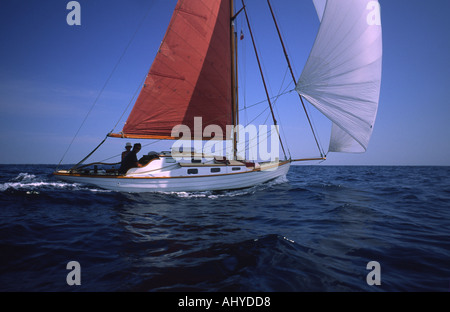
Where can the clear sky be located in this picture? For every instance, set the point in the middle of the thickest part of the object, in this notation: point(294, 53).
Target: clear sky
point(51, 74)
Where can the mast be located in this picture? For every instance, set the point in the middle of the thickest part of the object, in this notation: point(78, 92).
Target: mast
point(234, 99)
point(293, 76)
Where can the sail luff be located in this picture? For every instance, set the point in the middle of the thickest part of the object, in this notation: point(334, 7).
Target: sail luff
point(342, 76)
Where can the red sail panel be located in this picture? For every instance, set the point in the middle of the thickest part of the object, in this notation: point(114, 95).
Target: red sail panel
point(191, 74)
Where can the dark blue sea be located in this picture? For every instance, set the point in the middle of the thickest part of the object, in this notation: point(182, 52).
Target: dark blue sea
point(316, 230)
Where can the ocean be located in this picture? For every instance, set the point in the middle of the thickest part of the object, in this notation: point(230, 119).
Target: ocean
point(320, 229)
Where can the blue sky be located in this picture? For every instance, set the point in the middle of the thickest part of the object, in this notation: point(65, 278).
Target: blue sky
point(51, 74)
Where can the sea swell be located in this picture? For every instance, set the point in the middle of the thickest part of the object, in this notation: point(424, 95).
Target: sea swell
point(315, 231)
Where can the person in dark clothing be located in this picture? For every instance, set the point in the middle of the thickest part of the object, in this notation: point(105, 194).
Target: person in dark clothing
point(128, 147)
point(130, 161)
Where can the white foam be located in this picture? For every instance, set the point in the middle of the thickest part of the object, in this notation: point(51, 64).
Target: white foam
point(32, 184)
point(231, 193)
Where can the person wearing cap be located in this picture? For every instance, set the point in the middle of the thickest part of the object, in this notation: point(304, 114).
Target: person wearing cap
point(128, 147)
point(130, 161)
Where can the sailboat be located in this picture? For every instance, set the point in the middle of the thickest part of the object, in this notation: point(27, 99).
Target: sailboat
point(194, 78)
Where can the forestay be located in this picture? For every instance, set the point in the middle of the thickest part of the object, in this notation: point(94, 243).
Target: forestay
point(342, 76)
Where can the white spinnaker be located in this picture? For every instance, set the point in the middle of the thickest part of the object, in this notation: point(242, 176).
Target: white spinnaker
point(342, 76)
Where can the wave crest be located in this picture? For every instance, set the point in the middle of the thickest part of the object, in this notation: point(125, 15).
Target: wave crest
point(32, 184)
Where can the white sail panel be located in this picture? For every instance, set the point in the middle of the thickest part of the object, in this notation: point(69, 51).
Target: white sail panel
point(342, 76)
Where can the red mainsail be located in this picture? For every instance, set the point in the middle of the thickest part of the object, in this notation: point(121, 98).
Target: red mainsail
point(190, 76)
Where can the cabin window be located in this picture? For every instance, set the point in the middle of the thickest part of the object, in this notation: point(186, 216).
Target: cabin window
point(213, 170)
point(196, 161)
point(236, 168)
point(192, 171)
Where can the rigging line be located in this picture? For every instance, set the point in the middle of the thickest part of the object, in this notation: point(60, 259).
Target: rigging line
point(151, 143)
point(258, 141)
point(278, 114)
point(259, 115)
point(314, 125)
point(293, 76)
point(262, 75)
point(273, 97)
point(279, 93)
point(281, 35)
point(268, 115)
point(276, 110)
point(104, 86)
point(129, 103)
point(89, 155)
point(240, 110)
point(218, 117)
point(278, 96)
point(243, 73)
point(247, 143)
point(276, 101)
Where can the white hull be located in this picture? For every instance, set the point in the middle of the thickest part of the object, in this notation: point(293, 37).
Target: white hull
point(159, 183)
